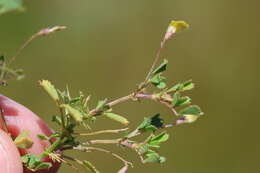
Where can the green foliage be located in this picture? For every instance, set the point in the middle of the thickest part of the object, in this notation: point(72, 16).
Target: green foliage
point(191, 113)
point(117, 118)
point(178, 100)
point(161, 68)
point(155, 141)
point(185, 86)
point(75, 112)
point(34, 163)
point(151, 124)
point(10, 5)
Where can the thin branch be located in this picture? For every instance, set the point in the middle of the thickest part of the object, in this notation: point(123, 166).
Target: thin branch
point(101, 132)
point(81, 148)
point(102, 141)
point(43, 32)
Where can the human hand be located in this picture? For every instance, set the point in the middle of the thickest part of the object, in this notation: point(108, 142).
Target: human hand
point(17, 119)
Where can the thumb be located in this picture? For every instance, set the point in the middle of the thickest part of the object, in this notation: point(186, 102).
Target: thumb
point(9, 156)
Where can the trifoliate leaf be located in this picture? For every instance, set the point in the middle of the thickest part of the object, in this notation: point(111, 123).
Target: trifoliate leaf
point(50, 89)
point(117, 118)
point(9, 5)
point(161, 68)
point(23, 141)
point(158, 81)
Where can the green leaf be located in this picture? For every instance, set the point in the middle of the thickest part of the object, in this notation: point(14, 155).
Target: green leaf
point(50, 89)
point(185, 86)
point(193, 110)
point(155, 141)
point(188, 85)
point(23, 141)
point(180, 101)
point(175, 87)
point(90, 166)
point(151, 123)
point(191, 113)
point(161, 68)
point(9, 5)
point(158, 81)
point(77, 115)
point(56, 119)
point(175, 98)
point(153, 157)
point(43, 165)
point(117, 118)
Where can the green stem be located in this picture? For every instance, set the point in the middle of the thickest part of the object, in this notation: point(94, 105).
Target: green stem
point(51, 148)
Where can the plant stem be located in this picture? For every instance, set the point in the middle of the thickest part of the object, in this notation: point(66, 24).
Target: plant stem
point(102, 132)
point(51, 148)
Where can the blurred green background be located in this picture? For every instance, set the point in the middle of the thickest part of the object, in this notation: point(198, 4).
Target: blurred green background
point(107, 50)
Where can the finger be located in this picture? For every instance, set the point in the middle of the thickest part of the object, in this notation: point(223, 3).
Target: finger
point(10, 161)
point(18, 118)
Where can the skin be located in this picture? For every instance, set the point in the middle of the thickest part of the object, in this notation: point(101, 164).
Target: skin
point(18, 118)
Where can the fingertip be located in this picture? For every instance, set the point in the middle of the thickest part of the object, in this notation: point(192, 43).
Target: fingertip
point(10, 161)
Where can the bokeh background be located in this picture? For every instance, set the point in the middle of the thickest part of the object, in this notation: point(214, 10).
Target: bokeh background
point(107, 50)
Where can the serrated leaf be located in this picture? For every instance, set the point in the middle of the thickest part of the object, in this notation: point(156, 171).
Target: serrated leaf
point(117, 118)
point(9, 5)
point(23, 141)
point(161, 68)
